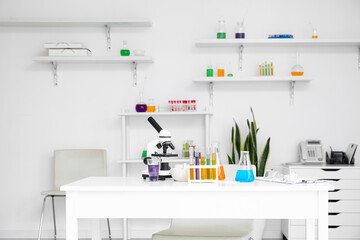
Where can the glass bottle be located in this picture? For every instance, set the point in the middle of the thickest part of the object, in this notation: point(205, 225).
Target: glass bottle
point(151, 105)
point(141, 106)
point(209, 71)
point(244, 172)
point(240, 33)
point(125, 51)
point(221, 34)
point(220, 71)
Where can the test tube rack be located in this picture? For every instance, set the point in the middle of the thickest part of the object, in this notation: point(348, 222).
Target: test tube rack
point(201, 167)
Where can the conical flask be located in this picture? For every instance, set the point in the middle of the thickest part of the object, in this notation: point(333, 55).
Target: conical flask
point(244, 172)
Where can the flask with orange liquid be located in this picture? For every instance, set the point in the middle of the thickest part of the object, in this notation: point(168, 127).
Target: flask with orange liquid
point(221, 172)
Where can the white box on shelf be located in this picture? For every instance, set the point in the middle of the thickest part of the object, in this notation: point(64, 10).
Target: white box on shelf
point(69, 52)
point(63, 45)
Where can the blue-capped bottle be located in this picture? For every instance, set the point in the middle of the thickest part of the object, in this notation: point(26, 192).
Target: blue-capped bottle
point(244, 172)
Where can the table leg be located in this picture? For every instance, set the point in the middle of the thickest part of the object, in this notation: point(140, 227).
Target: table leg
point(125, 228)
point(323, 228)
point(71, 219)
point(310, 229)
point(95, 229)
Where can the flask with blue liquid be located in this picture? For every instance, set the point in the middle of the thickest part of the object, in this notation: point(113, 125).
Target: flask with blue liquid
point(244, 172)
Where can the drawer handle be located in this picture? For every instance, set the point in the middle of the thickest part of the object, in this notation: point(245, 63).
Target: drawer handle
point(327, 179)
point(333, 226)
point(334, 200)
point(336, 190)
point(334, 213)
point(330, 169)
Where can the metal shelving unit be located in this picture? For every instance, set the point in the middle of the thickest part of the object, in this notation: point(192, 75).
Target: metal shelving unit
point(124, 117)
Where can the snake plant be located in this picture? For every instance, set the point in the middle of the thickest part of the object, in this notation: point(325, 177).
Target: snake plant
point(250, 145)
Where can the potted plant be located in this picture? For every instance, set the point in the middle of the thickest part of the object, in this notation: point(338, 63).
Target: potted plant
point(250, 145)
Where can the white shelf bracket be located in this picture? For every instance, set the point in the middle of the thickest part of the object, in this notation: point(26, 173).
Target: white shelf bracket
point(292, 92)
point(241, 49)
point(135, 73)
point(211, 94)
point(54, 65)
point(108, 36)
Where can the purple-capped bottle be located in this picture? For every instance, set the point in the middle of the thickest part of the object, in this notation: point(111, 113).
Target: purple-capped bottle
point(240, 32)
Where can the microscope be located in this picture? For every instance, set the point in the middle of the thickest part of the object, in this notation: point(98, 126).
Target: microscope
point(160, 148)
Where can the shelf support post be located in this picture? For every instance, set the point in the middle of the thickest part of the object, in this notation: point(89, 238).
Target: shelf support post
point(241, 49)
point(359, 59)
point(135, 73)
point(108, 36)
point(54, 65)
point(292, 92)
point(211, 94)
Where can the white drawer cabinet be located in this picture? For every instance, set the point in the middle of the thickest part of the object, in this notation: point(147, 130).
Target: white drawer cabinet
point(344, 201)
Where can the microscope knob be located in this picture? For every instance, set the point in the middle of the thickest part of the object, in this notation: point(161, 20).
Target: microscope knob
point(158, 145)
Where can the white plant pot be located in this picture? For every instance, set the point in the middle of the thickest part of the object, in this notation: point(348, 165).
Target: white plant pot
point(259, 224)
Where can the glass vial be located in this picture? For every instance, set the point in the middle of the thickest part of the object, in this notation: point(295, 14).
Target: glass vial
point(125, 51)
point(221, 34)
point(209, 71)
point(240, 32)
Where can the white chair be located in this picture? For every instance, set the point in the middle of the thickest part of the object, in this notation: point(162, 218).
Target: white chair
point(71, 165)
point(207, 229)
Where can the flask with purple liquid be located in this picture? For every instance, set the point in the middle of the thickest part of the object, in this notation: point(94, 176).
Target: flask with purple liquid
point(153, 168)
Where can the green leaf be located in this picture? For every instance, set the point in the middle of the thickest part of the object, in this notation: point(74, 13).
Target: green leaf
point(233, 145)
point(254, 145)
point(246, 144)
point(253, 116)
point(230, 160)
point(237, 139)
point(263, 158)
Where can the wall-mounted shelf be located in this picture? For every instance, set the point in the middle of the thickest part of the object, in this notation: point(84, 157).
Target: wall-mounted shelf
point(241, 43)
point(134, 161)
point(106, 23)
point(273, 79)
point(136, 114)
point(134, 60)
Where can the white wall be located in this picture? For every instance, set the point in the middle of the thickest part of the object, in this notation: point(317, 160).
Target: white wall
point(82, 112)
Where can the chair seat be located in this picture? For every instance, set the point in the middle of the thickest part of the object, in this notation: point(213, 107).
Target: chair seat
point(54, 192)
point(206, 229)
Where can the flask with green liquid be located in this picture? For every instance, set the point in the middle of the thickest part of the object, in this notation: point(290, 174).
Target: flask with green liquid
point(125, 51)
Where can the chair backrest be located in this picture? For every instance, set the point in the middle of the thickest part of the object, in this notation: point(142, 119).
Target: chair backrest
point(74, 164)
point(212, 227)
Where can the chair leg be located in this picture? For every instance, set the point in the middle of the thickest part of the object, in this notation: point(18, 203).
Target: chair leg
point(54, 218)
point(42, 216)
point(108, 224)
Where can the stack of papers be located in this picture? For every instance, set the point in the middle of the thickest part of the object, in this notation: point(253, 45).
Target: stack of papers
point(67, 49)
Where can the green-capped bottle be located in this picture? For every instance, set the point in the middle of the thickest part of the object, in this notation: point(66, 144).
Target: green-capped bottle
point(221, 34)
point(125, 51)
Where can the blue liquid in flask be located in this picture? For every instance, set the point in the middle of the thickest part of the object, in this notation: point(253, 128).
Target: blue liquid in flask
point(244, 176)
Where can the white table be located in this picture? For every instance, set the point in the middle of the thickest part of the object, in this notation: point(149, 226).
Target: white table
point(117, 197)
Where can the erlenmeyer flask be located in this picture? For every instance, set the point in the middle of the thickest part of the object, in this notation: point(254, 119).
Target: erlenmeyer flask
point(244, 172)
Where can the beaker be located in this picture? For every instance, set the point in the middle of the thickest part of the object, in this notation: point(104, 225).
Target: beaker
point(244, 172)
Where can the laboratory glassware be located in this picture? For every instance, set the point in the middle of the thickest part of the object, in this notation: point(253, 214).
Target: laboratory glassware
point(221, 34)
point(151, 105)
point(125, 51)
point(244, 172)
point(240, 33)
point(141, 105)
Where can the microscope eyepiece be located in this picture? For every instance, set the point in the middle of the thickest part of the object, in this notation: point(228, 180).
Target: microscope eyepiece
point(154, 124)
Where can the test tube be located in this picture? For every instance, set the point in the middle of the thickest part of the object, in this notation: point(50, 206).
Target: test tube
point(213, 162)
point(191, 162)
point(203, 170)
point(197, 163)
point(208, 163)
